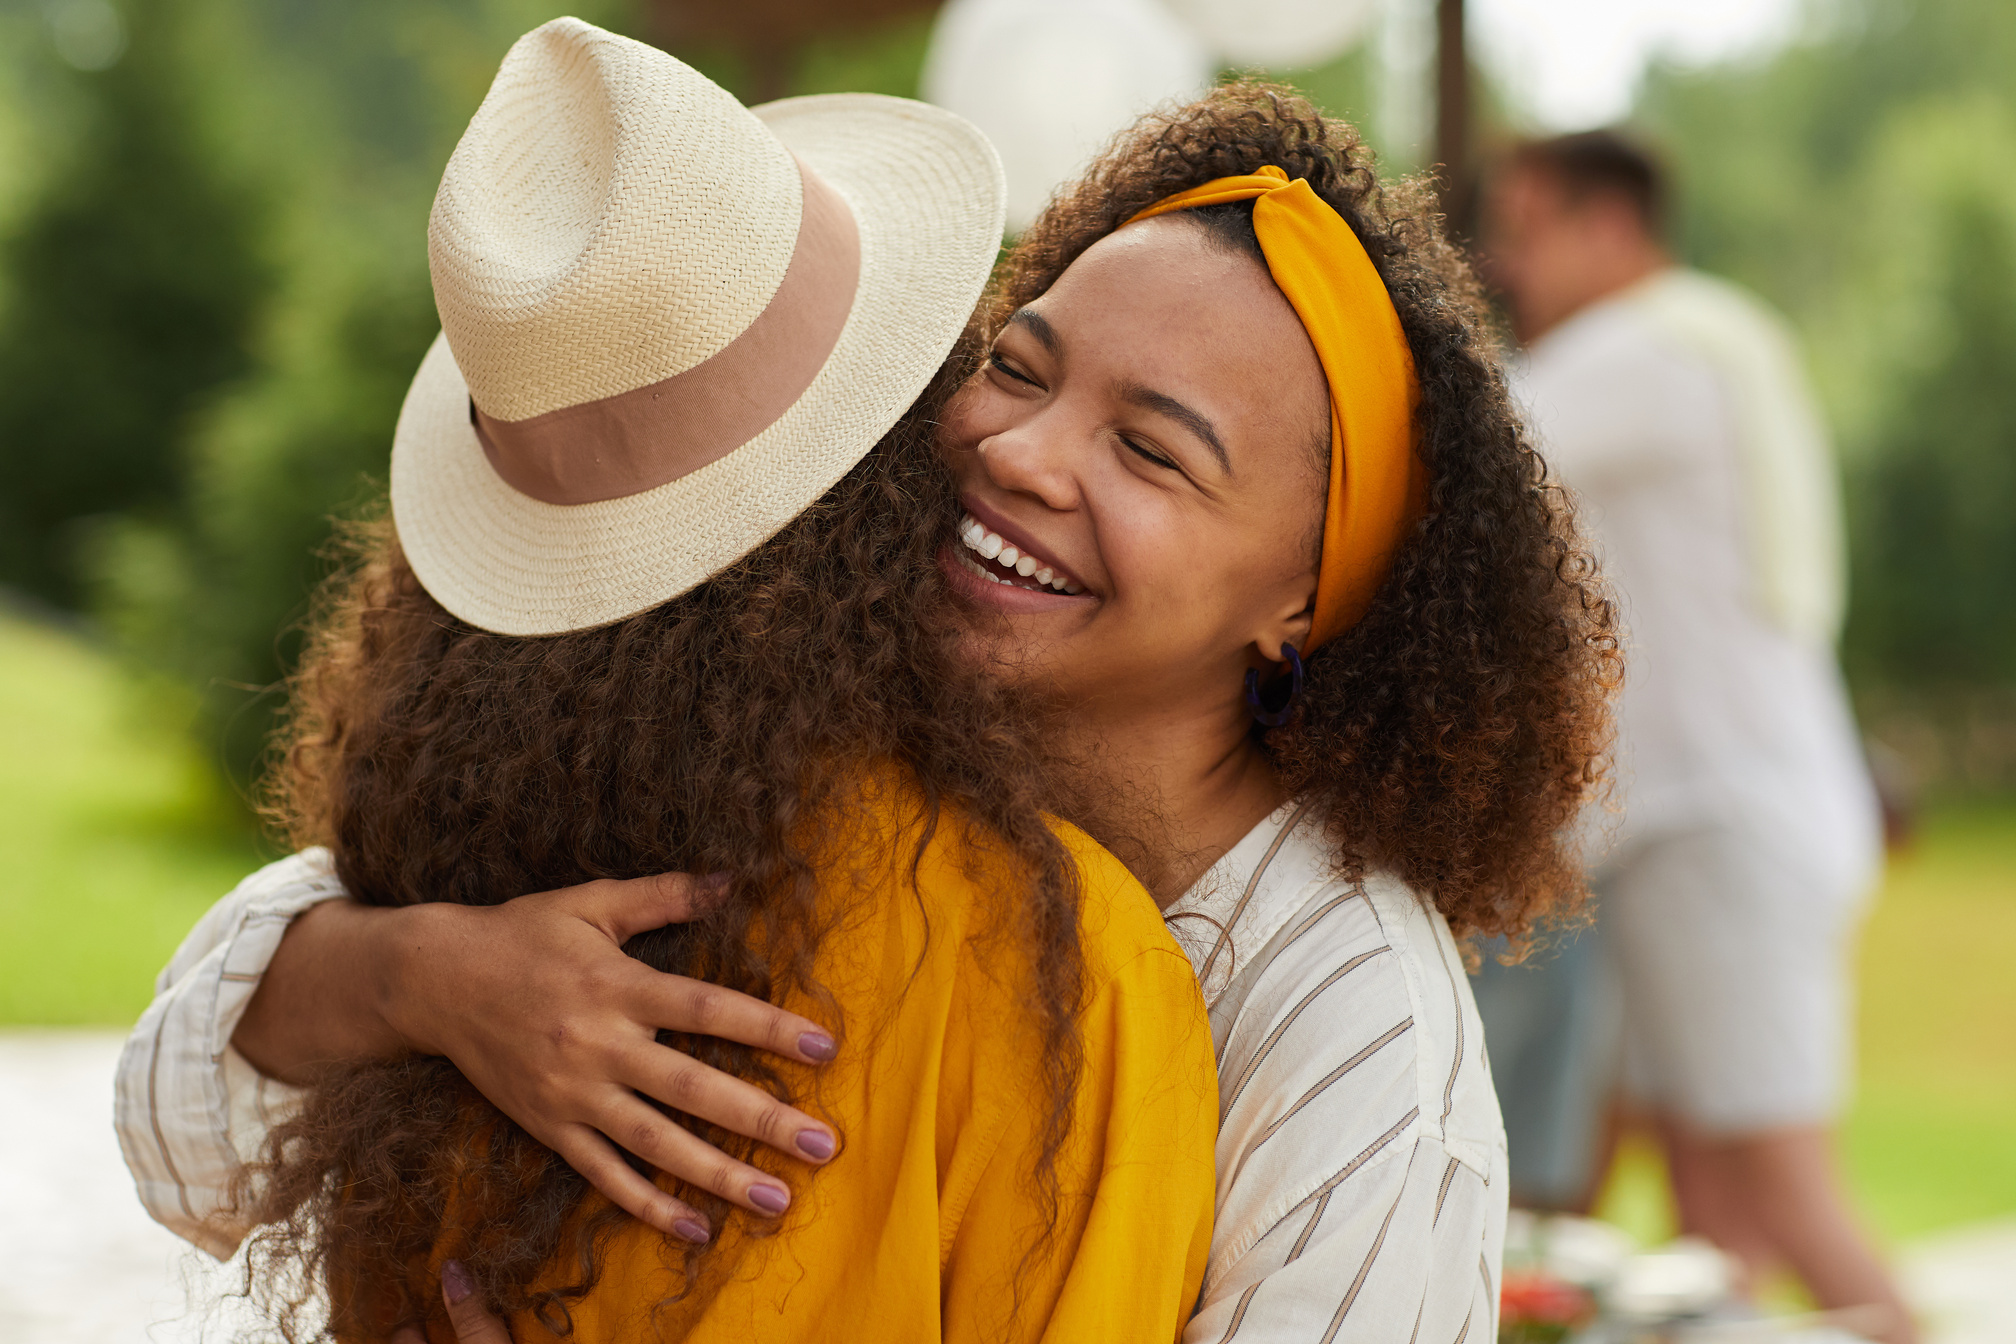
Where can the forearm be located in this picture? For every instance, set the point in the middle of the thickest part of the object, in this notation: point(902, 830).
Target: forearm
point(536, 1003)
point(327, 995)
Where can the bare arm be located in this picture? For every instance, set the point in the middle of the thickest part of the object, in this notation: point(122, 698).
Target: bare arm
point(535, 1001)
point(326, 993)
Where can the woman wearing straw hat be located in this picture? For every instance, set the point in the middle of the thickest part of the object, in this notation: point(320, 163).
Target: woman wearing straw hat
point(659, 593)
point(1168, 430)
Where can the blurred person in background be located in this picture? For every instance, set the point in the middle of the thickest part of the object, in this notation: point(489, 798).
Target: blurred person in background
point(1674, 406)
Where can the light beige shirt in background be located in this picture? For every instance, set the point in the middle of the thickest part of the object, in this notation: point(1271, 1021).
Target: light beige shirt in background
point(1361, 1157)
point(1676, 413)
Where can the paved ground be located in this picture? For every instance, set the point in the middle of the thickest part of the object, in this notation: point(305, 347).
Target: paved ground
point(81, 1264)
point(1965, 1284)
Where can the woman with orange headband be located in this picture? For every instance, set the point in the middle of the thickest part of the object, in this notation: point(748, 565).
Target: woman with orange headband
point(1242, 492)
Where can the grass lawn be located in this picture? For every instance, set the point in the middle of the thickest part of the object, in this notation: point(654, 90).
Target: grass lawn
point(113, 839)
point(1932, 1138)
point(113, 836)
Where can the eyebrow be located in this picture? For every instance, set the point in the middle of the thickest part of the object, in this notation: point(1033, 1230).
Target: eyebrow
point(1148, 399)
point(1039, 327)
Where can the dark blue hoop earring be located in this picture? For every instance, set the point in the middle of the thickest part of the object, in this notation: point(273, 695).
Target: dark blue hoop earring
point(1274, 718)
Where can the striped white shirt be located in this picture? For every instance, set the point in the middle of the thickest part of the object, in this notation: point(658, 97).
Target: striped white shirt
point(190, 1110)
point(1361, 1156)
point(1361, 1159)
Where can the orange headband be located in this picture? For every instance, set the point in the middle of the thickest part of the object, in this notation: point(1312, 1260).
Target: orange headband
point(1378, 486)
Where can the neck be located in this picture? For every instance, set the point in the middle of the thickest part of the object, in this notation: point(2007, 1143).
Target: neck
point(1177, 789)
point(1609, 274)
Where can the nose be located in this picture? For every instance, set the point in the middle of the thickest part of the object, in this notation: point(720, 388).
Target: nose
point(1033, 457)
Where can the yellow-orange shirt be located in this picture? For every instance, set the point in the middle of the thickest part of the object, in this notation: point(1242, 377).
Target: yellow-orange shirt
point(920, 1229)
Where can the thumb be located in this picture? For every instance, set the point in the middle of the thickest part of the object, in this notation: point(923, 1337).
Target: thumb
point(472, 1320)
point(626, 907)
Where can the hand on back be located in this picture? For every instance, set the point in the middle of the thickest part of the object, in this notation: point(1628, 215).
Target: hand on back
point(537, 1004)
point(473, 1321)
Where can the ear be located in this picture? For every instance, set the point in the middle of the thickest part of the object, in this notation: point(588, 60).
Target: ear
point(1287, 625)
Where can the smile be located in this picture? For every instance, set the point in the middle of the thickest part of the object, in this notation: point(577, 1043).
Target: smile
point(987, 555)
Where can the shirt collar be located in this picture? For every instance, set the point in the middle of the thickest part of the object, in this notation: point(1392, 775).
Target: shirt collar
point(1242, 900)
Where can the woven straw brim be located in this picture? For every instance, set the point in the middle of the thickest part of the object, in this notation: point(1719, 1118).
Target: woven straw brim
point(927, 192)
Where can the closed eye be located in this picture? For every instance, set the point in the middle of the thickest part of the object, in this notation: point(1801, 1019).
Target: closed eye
point(1005, 367)
point(1146, 455)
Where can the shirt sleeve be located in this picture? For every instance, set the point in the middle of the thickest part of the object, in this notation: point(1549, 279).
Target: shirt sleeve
point(190, 1111)
point(1126, 1251)
point(1344, 1212)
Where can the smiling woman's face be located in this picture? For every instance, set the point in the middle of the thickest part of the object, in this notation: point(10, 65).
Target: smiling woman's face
point(1149, 438)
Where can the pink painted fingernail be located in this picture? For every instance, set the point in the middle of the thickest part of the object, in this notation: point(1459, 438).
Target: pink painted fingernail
point(456, 1285)
point(769, 1198)
point(817, 1045)
point(691, 1229)
point(715, 881)
point(816, 1144)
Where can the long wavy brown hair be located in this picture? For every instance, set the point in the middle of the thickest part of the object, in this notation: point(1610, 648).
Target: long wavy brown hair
point(721, 732)
point(1460, 728)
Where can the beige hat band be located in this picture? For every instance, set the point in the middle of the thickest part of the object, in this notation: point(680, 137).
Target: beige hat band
point(641, 439)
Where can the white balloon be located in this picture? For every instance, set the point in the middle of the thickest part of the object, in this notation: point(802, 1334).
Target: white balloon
point(1050, 81)
point(1278, 34)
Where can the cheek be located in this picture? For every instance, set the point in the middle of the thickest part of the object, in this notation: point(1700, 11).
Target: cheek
point(1198, 591)
point(1179, 584)
point(974, 413)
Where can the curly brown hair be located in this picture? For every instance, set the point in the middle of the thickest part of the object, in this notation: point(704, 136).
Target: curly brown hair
point(1457, 731)
point(1454, 733)
point(720, 732)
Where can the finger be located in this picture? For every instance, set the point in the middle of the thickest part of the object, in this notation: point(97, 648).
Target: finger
point(604, 1168)
point(701, 1009)
point(472, 1320)
point(685, 1084)
point(626, 907)
point(646, 1132)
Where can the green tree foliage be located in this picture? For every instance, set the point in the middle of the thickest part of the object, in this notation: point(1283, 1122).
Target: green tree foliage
point(211, 376)
point(1934, 503)
point(134, 288)
point(349, 111)
point(1865, 180)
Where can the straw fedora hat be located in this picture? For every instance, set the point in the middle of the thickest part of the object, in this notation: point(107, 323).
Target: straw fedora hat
point(669, 323)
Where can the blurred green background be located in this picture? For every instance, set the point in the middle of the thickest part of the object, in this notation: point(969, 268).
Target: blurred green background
point(213, 292)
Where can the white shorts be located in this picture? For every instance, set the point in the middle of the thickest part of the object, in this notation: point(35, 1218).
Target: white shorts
point(1732, 962)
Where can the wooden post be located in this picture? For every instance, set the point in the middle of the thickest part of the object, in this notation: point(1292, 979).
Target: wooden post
point(1452, 100)
point(769, 34)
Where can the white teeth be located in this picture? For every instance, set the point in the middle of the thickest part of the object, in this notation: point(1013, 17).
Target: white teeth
point(981, 572)
point(977, 538)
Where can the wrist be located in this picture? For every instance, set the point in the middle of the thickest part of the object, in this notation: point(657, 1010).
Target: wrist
point(405, 942)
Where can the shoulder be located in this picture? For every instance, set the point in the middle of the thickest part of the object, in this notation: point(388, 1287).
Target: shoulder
point(1694, 299)
point(1449, 1041)
point(968, 881)
point(1120, 926)
point(1355, 1027)
point(1612, 391)
point(1617, 349)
